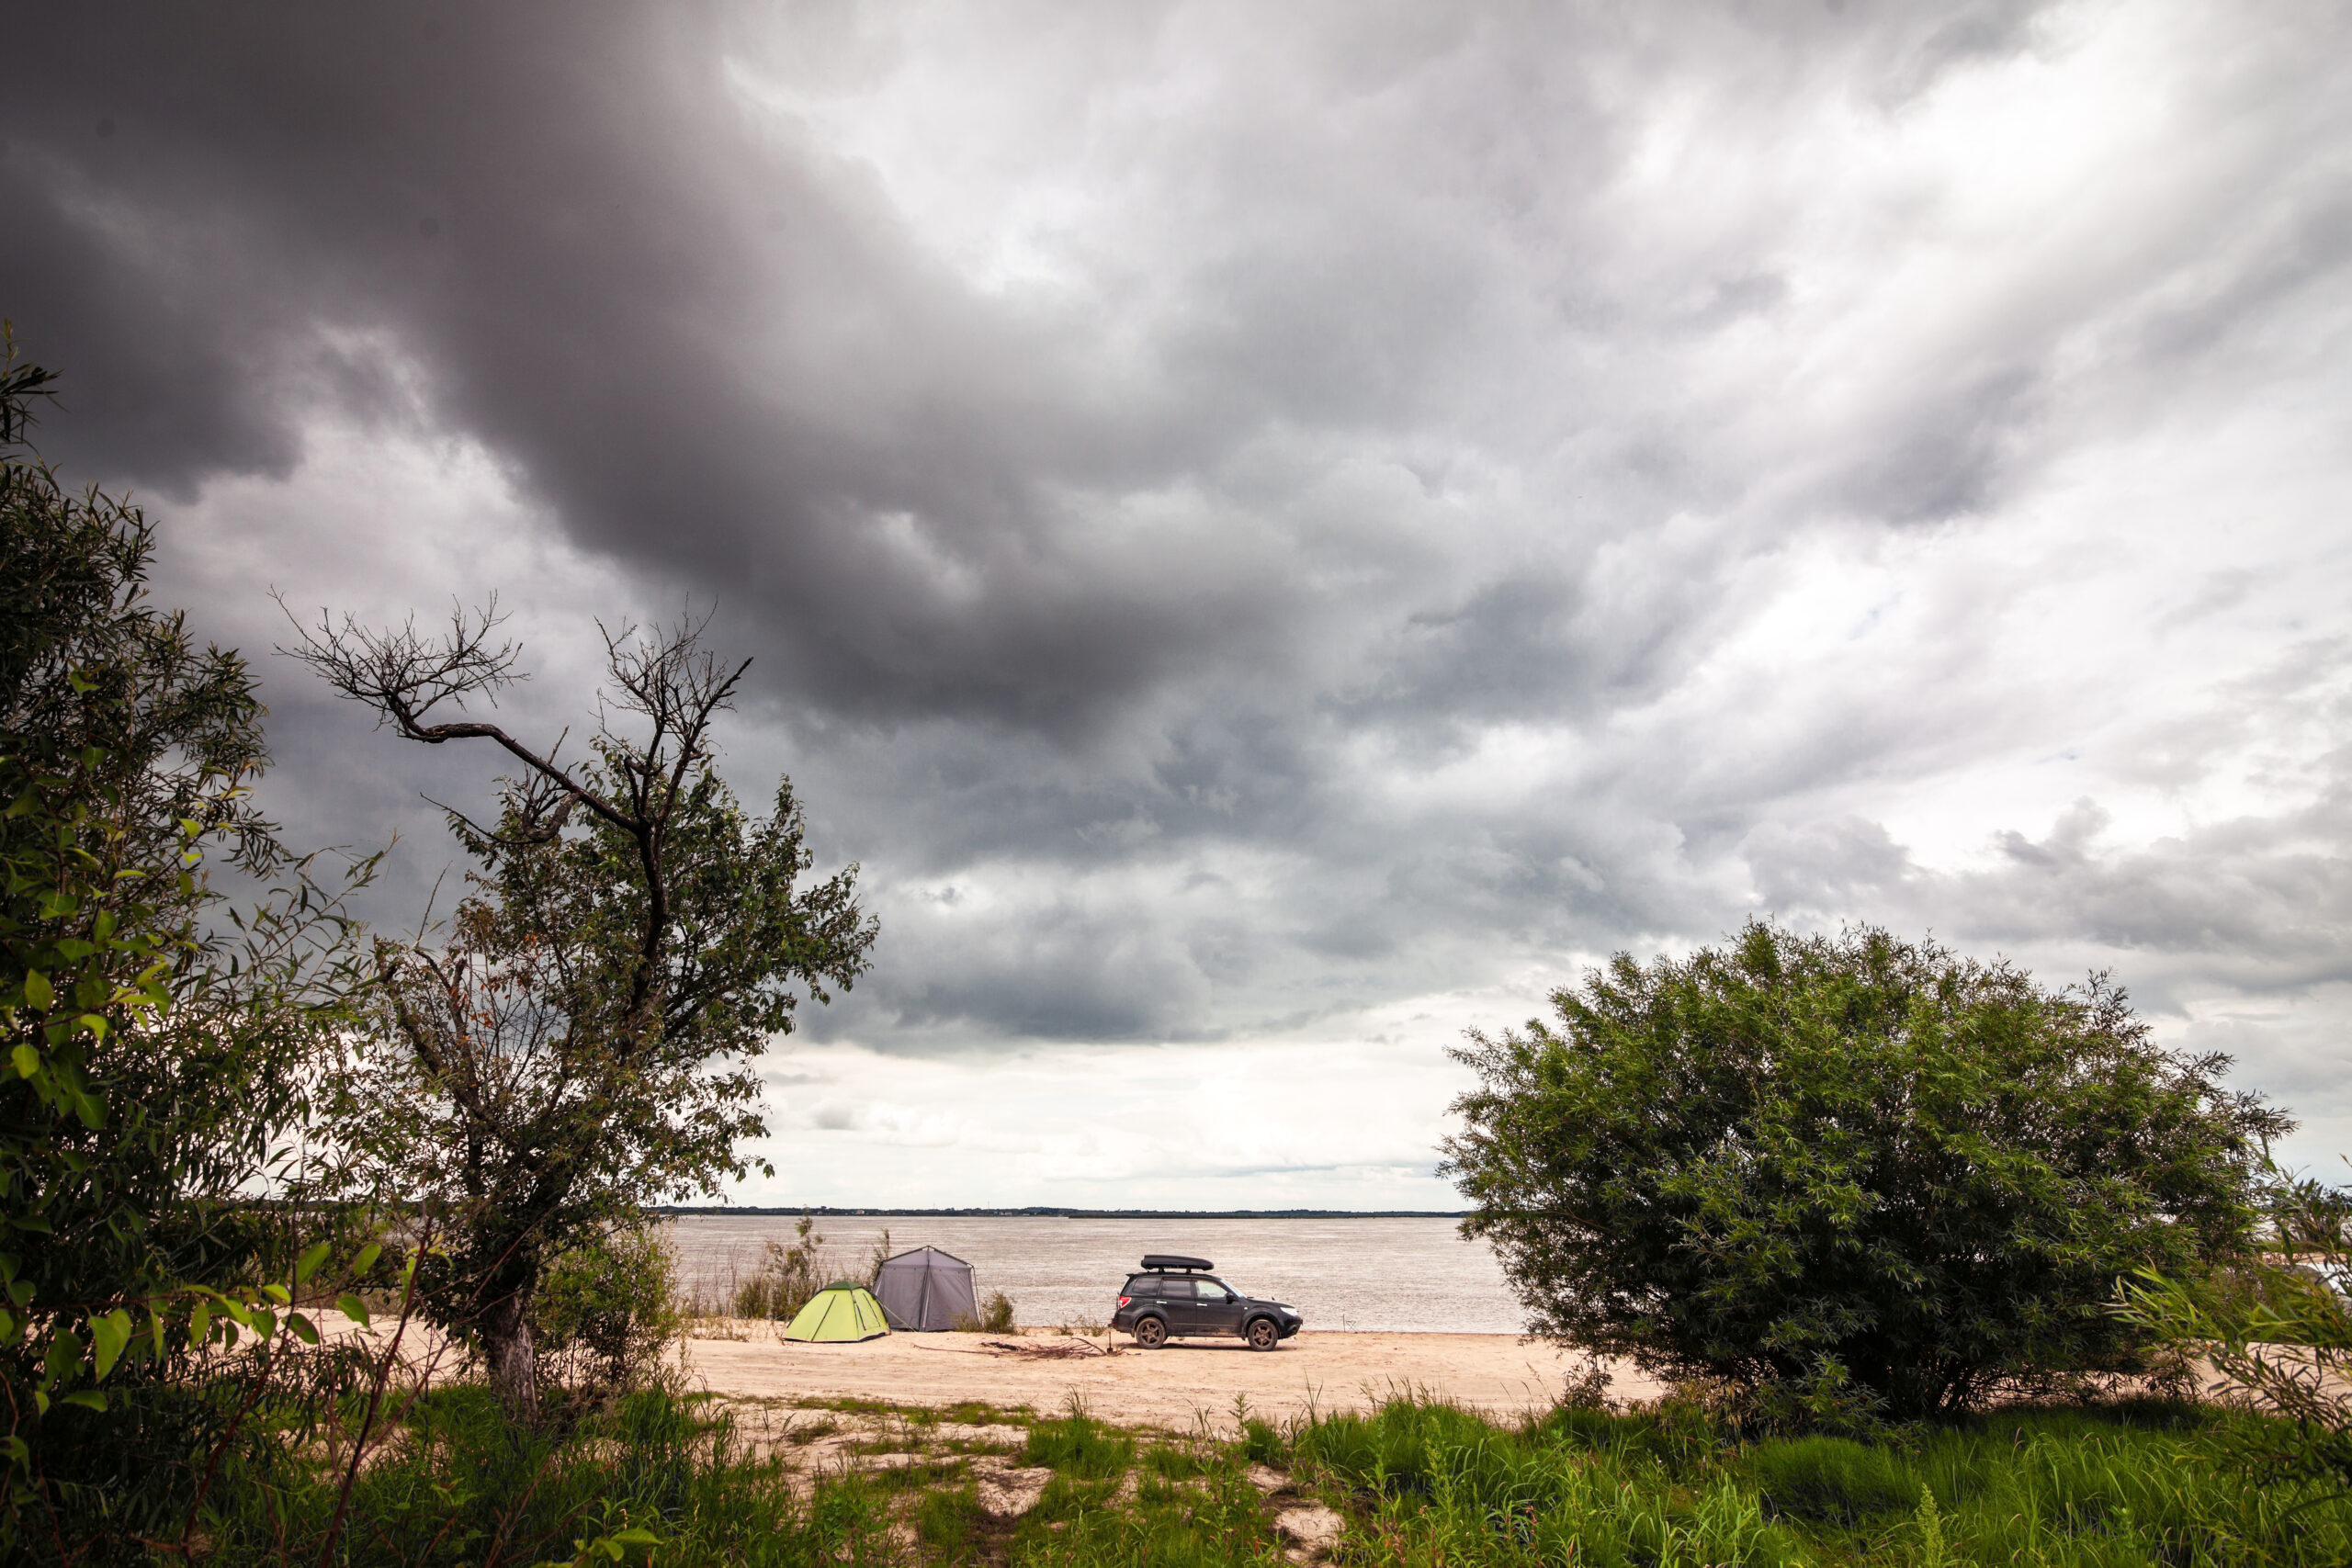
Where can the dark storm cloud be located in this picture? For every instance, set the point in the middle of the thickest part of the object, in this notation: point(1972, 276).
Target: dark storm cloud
point(714, 355)
point(717, 353)
point(1276, 599)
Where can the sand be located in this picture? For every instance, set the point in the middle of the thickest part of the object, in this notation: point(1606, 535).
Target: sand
point(1168, 1388)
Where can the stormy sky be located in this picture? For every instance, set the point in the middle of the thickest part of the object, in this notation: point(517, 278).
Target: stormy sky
point(1278, 534)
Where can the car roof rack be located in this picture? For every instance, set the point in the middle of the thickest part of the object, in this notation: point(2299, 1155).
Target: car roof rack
point(1169, 1260)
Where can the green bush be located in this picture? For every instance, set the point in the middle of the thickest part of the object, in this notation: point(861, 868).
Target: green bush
point(1849, 1176)
point(605, 1314)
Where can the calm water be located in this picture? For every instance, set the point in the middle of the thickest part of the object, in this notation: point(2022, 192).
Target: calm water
point(1385, 1275)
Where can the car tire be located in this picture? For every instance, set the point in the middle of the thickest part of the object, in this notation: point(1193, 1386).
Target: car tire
point(1262, 1334)
point(1150, 1333)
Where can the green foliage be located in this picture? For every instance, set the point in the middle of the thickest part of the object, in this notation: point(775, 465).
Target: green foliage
point(158, 1043)
point(1853, 1177)
point(605, 1317)
point(464, 1482)
point(2104, 1486)
point(580, 1043)
point(656, 1479)
point(1176, 1462)
point(1212, 1519)
point(996, 1314)
point(2279, 1334)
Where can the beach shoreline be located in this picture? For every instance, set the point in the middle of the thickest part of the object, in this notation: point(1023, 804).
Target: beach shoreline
point(1320, 1371)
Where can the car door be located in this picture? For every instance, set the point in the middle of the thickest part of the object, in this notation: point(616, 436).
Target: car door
point(1218, 1309)
point(1160, 1293)
point(1183, 1305)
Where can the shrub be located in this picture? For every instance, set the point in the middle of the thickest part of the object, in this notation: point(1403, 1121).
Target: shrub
point(606, 1314)
point(162, 1043)
point(996, 1314)
point(1848, 1174)
point(787, 1277)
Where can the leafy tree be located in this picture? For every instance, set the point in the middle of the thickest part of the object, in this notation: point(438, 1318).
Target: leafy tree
point(581, 1043)
point(1849, 1171)
point(157, 1043)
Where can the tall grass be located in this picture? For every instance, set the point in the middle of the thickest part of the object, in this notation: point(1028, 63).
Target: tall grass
point(2135, 1485)
point(461, 1485)
point(663, 1479)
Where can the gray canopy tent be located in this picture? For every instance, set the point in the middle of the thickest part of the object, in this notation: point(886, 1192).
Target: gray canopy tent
point(926, 1291)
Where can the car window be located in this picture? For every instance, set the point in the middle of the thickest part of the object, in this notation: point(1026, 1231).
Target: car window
point(1210, 1290)
point(1142, 1285)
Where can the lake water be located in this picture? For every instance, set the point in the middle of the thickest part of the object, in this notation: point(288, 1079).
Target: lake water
point(1386, 1275)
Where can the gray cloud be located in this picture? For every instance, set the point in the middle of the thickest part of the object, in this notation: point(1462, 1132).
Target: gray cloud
point(1248, 518)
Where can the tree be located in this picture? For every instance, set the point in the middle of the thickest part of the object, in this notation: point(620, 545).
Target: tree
point(157, 1042)
point(1848, 1171)
point(580, 1041)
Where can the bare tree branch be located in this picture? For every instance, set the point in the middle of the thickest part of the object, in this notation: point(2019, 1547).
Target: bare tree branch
point(404, 676)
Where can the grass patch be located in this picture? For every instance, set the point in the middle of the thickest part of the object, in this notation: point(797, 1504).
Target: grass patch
point(976, 1412)
point(1833, 1479)
point(1178, 1461)
point(1081, 1448)
point(950, 1521)
point(2098, 1487)
point(661, 1479)
point(1165, 1526)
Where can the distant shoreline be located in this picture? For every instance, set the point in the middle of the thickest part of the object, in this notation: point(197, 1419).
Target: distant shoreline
point(822, 1212)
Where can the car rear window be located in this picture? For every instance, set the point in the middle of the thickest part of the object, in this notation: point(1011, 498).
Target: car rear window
point(1142, 1285)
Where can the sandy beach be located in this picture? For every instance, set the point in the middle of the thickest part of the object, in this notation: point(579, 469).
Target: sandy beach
point(1499, 1373)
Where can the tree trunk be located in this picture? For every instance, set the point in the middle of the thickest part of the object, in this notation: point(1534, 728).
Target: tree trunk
point(513, 1360)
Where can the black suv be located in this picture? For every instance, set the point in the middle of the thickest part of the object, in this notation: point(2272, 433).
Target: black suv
point(1177, 1296)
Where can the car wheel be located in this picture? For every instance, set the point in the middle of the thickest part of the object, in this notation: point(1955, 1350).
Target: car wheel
point(1150, 1333)
point(1263, 1334)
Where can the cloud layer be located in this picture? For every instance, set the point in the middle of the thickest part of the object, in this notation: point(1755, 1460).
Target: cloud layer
point(1275, 534)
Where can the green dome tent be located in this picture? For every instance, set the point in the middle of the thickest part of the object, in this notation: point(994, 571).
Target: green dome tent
point(838, 1313)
